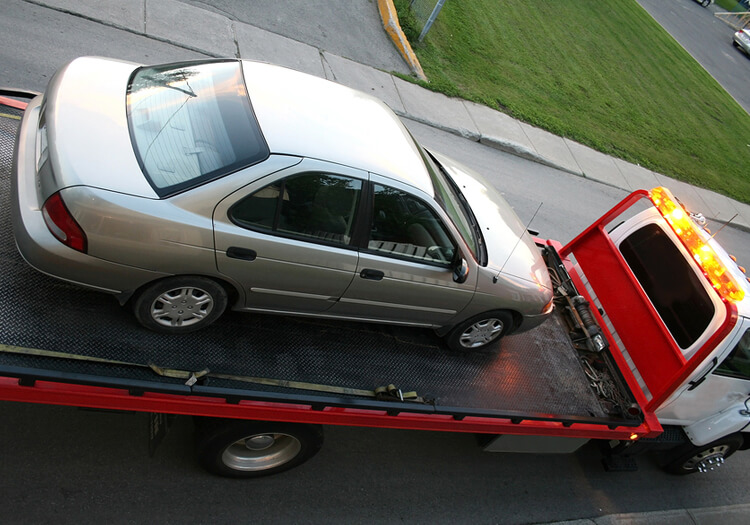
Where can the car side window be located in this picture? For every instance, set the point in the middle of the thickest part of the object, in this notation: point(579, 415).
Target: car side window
point(405, 227)
point(317, 206)
point(738, 363)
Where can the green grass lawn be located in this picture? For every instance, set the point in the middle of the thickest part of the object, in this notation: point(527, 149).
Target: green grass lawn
point(600, 72)
point(730, 5)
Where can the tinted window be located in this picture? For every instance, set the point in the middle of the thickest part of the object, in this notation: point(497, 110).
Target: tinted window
point(738, 363)
point(191, 123)
point(314, 205)
point(669, 281)
point(405, 227)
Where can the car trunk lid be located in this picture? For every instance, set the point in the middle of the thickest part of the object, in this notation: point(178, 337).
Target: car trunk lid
point(83, 137)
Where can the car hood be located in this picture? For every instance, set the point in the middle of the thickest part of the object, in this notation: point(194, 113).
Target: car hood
point(510, 248)
point(86, 124)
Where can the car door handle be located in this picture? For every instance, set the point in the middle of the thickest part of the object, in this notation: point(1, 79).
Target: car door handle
point(245, 254)
point(373, 275)
point(696, 382)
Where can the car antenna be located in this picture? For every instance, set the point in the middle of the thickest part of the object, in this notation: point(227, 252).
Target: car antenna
point(519, 238)
point(533, 232)
point(724, 225)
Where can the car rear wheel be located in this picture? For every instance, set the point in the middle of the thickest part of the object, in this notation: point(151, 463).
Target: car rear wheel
point(180, 304)
point(480, 331)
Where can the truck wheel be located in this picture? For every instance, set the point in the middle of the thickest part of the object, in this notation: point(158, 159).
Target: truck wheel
point(250, 449)
point(180, 304)
point(705, 458)
point(480, 331)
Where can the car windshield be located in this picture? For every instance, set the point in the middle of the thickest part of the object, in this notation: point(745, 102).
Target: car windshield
point(192, 122)
point(454, 203)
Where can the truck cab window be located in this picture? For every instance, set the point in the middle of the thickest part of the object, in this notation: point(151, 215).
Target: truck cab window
point(673, 287)
point(738, 363)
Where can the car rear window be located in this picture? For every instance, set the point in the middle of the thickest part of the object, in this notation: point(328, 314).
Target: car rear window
point(669, 281)
point(192, 122)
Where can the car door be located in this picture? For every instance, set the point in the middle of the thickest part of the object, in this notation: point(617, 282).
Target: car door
point(405, 270)
point(287, 239)
point(718, 397)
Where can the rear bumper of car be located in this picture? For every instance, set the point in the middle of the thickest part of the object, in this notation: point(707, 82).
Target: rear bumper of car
point(38, 247)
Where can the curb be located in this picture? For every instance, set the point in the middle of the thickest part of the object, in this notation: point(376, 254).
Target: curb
point(393, 28)
point(728, 515)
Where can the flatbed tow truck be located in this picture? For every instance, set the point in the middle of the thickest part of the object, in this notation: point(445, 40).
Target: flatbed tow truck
point(647, 350)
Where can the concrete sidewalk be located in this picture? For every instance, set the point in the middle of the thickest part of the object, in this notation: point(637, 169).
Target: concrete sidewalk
point(213, 34)
point(727, 515)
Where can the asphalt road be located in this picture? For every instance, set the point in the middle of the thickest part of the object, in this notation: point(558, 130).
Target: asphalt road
point(64, 465)
point(708, 40)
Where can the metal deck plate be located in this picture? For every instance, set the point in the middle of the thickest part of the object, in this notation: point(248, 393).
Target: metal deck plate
point(534, 374)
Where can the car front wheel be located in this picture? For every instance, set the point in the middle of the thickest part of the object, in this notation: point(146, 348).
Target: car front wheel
point(480, 331)
point(180, 304)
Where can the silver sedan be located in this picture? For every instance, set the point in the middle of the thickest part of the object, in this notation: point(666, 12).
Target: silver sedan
point(741, 40)
point(186, 188)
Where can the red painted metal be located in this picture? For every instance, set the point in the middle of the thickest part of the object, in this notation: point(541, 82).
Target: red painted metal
point(639, 326)
point(18, 104)
point(656, 355)
point(47, 392)
point(632, 314)
point(678, 379)
point(649, 417)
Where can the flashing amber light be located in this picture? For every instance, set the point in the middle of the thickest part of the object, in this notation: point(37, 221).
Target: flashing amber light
point(713, 268)
point(633, 437)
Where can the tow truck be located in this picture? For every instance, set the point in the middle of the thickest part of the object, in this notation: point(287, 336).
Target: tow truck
point(648, 350)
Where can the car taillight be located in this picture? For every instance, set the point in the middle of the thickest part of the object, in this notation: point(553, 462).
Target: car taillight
point(62, 224)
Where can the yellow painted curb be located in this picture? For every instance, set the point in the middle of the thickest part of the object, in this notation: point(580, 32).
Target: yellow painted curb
point(393, 28)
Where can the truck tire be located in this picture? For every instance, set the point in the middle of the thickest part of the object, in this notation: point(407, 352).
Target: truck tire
point(251, 449)
point(180, 304)
point(690, 459)
point(480, 331)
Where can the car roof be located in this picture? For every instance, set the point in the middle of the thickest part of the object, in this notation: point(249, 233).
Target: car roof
point(307, 116)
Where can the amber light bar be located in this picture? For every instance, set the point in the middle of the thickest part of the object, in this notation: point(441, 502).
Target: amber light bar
point(709, 261)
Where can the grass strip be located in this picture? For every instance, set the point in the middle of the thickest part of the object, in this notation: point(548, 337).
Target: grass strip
point(600, 72)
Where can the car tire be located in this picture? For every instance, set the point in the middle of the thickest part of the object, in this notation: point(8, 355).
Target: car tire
point(690, 459)
point(251, 449)
point(480, 331)
point(180, 304)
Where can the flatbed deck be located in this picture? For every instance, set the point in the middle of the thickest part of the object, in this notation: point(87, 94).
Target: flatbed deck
point(535, 376)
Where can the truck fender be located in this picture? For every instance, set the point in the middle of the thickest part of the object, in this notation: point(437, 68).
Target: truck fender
point(736, 418)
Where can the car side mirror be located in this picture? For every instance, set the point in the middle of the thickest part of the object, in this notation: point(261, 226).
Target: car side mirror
point(460, 269)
